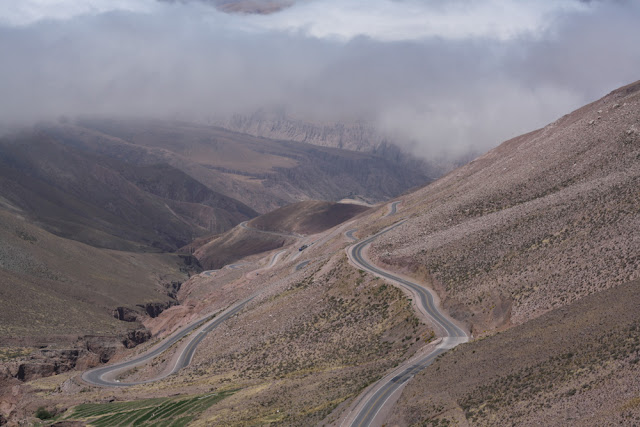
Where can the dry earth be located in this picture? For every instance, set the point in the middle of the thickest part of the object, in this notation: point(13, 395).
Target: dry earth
point(264, 174)
point(357, 135)
point(53, 286)
point(58, 298)
point(543, 220)
point(236, 244)
point(106, 200)
point(576, 365)
point(314, 338)
point(283, 226)
point(309, 217)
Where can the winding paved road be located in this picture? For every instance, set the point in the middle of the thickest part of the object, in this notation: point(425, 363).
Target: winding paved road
point(394, 208)
point(302, 265)
point(106, 375)
point(375, 397)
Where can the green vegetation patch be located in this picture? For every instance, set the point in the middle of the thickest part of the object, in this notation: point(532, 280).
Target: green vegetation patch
point(168, 411)
point(10, 353)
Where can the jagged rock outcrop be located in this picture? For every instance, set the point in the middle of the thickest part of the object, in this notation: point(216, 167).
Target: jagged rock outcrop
point(101, 348)
point(125, 314)
point(174, 287)
point(85, 353)
point(135, 337)
point(357, 136)
point(153, 309)
point(44, 363)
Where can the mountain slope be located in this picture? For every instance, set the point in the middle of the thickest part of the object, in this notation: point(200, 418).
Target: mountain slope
point(356, 135)
point(307, 217)
point(537, 238)
point(575, 365)
point(540, 221)
point(274, 230)
point(107, 202)
point(533, 245)
point(53, 287)
point(264, 174)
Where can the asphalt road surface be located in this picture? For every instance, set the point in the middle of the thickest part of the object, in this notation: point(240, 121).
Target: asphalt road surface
point(394, 208)
point(105, 375)
point(451, 333)
point(302, 265)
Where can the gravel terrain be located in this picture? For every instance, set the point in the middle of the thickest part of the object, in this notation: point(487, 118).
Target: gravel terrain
point(539, 222)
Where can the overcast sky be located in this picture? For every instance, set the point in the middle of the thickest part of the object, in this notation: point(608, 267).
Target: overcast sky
point(449, 74)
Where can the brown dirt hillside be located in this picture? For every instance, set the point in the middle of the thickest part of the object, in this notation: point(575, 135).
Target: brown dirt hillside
point(312, 339)
point(534, 244)
point(109, 202)
point(262, 173)
point(541, 221)
point(317, 341)
point(577, 365)
point(272, 231)
point(51, 286)
point(356, 135)
point(236, 244)
point(307, 217)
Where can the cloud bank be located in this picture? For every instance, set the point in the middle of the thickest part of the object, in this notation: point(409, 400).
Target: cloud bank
point(449, 75)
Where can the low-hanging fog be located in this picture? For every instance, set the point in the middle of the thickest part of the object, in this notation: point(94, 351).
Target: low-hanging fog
point(449, 75)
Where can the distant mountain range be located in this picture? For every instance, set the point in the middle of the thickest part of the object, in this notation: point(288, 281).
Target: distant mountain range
point(356, 135)
point(260, 7)
point(113, 194)
point(138, 185)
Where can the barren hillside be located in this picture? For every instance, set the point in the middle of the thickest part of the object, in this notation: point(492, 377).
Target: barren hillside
point(312, 339)
point(356, 135)
point(575, 365)
point(236, 244)
point(262, 173)
point(307, 217)
point(542, 220)
point(110, 202)
point(53, 286)
point(272, 231)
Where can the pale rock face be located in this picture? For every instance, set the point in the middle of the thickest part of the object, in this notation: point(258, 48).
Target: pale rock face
point(356, 135)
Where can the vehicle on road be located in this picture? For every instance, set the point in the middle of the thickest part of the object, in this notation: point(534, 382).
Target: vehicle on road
point(303, 247)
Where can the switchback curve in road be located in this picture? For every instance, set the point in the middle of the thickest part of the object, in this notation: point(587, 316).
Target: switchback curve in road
point(378, 395)
point(349, 234)
point(106, 375)
point(394, 208)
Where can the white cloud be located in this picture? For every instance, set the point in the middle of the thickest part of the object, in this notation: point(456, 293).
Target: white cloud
point(384, 20)
point(447, 91)
point(388, 20)
point(25, 12)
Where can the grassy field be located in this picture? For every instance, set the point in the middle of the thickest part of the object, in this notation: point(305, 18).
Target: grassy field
point(164, 411)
